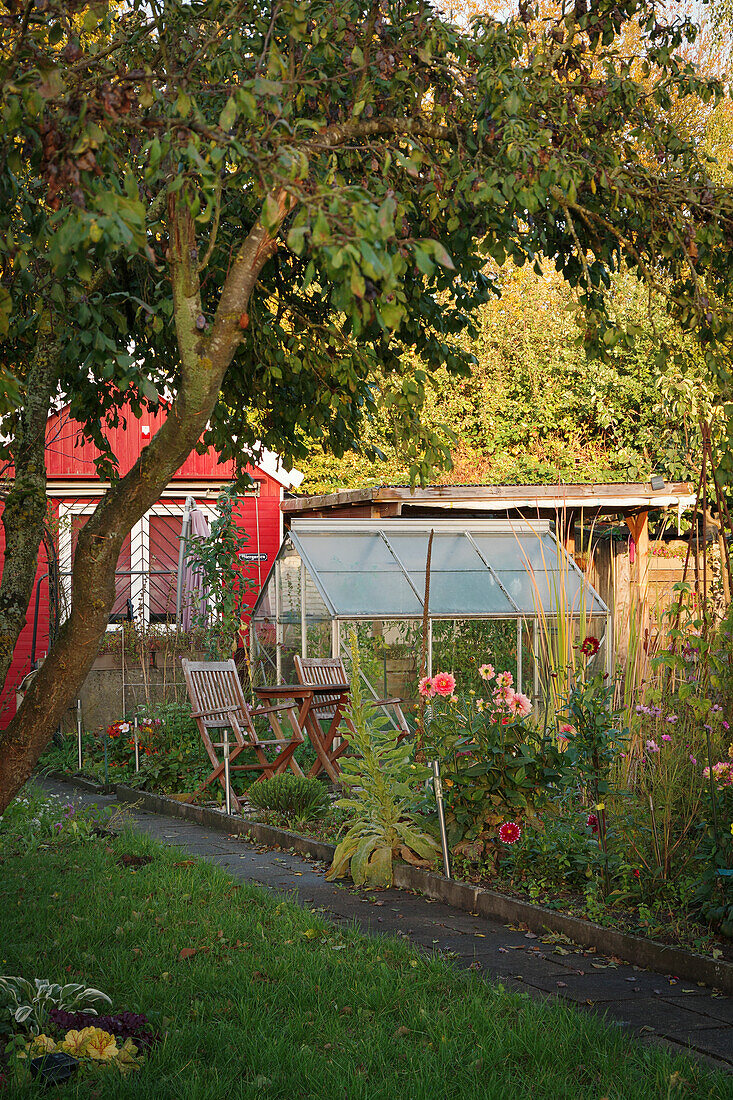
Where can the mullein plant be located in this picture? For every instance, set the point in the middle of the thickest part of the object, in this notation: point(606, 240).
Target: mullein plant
point(383, 789)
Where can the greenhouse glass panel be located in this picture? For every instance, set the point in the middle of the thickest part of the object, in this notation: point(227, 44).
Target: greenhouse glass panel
point(389, 654)
point(514, 549)
point(457, 593)
point(543, 594)
point(452, 553)
point(462, 646)
point(361, 594)
point(349, 553)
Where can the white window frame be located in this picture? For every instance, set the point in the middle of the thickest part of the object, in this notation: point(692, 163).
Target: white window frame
point(139, 549)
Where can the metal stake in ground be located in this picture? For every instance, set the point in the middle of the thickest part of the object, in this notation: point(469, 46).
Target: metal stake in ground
point(78, 732)
point(227, 788)
point(438, 788)
point(136, 738)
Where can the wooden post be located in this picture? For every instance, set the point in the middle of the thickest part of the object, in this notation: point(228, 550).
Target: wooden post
point(638, 525)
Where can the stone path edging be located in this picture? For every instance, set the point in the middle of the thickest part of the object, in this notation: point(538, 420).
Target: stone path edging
point(663, 1011)
point(650, 954)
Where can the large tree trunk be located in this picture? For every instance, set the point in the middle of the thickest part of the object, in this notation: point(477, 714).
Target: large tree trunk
point(25, 505)
point(204, 361)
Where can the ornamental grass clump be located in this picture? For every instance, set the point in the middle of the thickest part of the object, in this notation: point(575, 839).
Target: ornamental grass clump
point(295, 797)
point(383, 781)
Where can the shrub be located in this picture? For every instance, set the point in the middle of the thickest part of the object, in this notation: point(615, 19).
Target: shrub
point(296, 797)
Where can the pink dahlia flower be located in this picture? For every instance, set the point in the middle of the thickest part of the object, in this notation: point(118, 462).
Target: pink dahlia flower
point(426, 688)
point(486, 672)
point(505, 679)
point(519, 704)
point(502, 695)
point(444, 683)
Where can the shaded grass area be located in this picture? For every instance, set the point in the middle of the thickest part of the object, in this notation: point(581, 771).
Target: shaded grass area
point(278, 1002)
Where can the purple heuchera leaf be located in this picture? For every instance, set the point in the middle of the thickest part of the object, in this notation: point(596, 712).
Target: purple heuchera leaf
point(127, 1025)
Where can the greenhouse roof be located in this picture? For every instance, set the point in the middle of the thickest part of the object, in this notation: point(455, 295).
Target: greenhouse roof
point(375, 569)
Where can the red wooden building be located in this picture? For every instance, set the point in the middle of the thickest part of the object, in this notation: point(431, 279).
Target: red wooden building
point(147, 569)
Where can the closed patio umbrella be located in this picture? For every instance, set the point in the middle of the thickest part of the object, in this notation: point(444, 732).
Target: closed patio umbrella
point(194, 591)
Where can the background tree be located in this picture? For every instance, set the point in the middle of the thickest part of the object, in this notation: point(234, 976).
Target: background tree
point(537, 408)
point(250, 207)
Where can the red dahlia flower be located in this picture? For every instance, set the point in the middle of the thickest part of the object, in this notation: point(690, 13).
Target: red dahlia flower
point(509, 833)
point(590, 646)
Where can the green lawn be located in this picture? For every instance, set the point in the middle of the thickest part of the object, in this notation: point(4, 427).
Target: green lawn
point(276, 1002)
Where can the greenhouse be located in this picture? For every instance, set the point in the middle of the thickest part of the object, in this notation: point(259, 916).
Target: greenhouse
point(504, 592)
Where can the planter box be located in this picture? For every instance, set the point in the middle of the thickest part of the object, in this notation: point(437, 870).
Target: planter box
point(105, 661)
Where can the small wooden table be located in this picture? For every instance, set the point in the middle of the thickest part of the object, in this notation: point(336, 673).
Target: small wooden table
point(309, 698)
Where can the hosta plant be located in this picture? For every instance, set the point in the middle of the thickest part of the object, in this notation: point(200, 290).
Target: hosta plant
point(27, 1004)
point(382, 780)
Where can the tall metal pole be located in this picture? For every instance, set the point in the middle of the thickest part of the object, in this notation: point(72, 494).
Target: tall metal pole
point(303, 619)
point(438, 789)
point(278, 627)
point(227, 788)
point(535, 663)
point(609, 645)
point(136, 739)
point(78, 732)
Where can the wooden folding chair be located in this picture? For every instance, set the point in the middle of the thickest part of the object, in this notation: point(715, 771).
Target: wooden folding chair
point(218, 703)
point(322, 671)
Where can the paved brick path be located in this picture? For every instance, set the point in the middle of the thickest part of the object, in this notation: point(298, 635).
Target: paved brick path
point(651, 1007)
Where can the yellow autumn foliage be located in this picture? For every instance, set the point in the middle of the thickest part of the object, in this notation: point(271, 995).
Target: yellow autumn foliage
point(91, 1042)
